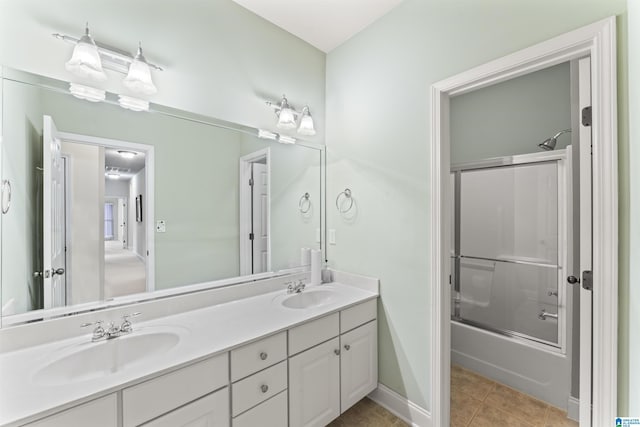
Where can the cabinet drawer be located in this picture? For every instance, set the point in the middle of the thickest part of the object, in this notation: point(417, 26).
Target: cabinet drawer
point(358, 315)
point(101, 412)
point(210, 411)
point(258, 388)
point(258, 355)
point(313, 333)
point(160, 395)
point(272, 413)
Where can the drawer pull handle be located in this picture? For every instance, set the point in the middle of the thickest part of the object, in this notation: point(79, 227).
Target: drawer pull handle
point(264, 388)
point(263, 356)
point(337, 352)
point(347, 347)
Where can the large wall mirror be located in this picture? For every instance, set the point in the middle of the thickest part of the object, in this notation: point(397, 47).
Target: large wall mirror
point(103, 204)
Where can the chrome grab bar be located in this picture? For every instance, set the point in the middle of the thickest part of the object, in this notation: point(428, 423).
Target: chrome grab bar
point(510, 261)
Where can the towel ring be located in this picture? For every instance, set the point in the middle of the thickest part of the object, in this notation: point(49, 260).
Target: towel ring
point(347, 194)
point(6, 196)
point(305, 203)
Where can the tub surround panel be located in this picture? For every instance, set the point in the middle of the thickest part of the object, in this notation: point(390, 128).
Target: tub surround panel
point(209, 331)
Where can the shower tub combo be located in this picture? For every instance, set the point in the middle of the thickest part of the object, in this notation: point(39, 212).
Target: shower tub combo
point(511, 306)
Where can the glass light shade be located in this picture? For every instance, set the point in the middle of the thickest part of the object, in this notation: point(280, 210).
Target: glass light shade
point(286, 119)
point(112, 175)
point(306, 124)
point(138, 79)
point(134, 104)
point(127, 154)
point(87, 93)
point(85, 61)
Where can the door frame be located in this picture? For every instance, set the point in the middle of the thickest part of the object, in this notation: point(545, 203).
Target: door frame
point(245, 208)
point(149, 171)
point(597, 40)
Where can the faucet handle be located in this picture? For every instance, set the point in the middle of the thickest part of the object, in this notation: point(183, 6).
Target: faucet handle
point(126, 323)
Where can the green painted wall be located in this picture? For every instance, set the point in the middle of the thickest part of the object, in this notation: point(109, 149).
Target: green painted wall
point(378, 110)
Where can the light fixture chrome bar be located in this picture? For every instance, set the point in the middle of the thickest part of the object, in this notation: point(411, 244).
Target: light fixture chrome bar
point(116, 60)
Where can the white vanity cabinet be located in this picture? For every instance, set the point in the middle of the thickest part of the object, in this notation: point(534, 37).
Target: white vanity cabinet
point(209, 411)
point(259, 375)
point(102, 412)
point(328, 378)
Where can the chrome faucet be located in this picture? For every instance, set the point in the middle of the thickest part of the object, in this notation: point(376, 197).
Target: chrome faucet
point(113, 331)
point(295, 288)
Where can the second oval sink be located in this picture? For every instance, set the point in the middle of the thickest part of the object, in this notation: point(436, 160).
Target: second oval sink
point(89, 361)
point(309, 299)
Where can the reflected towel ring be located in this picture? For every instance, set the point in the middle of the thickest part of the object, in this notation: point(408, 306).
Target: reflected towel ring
point(347, 194)
point(304, 201)
point(6, 196)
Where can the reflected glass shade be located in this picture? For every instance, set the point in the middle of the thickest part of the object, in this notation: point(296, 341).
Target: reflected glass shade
point(306, 123)
point(286, 119)
point(87, 93)
point(85, 61)
point(133, 104)
point(138, 78)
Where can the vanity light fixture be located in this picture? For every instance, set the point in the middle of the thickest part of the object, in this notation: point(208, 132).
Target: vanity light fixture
point(265, 134)
point(138, 78)
point(286, 139)
point(127, 154)
point(87, 93)
point(287, 116)
point(133, 104)
point(85, 61)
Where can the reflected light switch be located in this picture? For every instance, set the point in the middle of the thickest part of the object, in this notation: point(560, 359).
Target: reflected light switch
point(332, 236)
point(161, 226)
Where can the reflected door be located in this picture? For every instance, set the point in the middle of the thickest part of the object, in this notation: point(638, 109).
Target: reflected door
point(54, 217)
point(260, 219)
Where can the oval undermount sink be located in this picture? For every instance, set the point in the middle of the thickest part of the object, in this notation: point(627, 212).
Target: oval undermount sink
point(309, 299)
point(89, 360)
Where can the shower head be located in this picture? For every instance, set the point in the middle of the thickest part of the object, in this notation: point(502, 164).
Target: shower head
point(550, 143)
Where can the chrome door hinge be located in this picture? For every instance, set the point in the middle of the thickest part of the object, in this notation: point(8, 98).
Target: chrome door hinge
point(586, 116)
point(587, 280)
point(250, 236)
point(251, 182)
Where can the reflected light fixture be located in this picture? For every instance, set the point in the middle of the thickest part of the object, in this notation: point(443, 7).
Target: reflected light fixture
point(265, 134)
point(287, 117)
point(112, 175)
point(306, 123)
point(138, 78)
point(85, 61)
point(133, 104)
point(87, 93)
point(286, 139)
point(127, 154)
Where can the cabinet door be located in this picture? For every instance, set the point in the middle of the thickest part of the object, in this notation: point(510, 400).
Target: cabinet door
point(101, 412)
point(358, 364)
point(314, 385)
point(209, 411)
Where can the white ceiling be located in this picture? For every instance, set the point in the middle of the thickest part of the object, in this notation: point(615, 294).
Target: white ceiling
point(325, 24)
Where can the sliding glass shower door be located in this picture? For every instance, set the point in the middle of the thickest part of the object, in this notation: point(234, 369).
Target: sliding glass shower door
point(506, 249)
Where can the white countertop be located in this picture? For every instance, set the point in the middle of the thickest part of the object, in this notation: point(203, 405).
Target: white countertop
point(204, 332)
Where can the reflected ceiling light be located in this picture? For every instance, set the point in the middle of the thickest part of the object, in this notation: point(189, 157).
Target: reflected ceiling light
point(549, 144)
point(138, 78)
point(87, 92)
point(287, 117)
point(133, 104)
point(112, 175)
point(127, 154)
point(306, 123)
point(286, 139)
point(85, 61)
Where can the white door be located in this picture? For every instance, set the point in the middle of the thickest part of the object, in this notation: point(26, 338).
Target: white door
point(586, 325)
point(260, 218)
point(53, 217)
point(358, 364)
point(209, 411)
point(314, 386)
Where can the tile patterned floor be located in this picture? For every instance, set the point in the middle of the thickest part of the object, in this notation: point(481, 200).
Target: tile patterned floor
point(477, 401)
point(367, 413)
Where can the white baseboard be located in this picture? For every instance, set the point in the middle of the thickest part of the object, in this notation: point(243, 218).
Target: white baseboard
point(573, 409)
point(401, 406)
